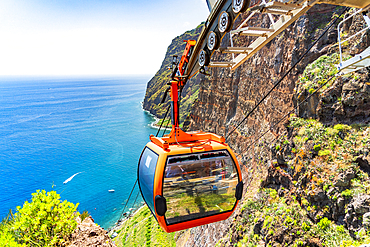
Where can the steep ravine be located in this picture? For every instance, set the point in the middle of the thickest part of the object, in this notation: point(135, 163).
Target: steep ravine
point(306, 181)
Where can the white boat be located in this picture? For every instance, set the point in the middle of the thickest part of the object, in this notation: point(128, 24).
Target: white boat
point(111, 191)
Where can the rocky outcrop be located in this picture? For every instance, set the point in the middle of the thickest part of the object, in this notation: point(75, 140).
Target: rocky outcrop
point(278, 180)
point(225, 97)
point(347, 100)
point(90, 234)
point(359, 206)
point(157, 86)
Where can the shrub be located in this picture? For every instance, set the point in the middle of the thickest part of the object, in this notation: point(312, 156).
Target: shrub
point(288, 221)
point(317, 147)
point(7, 239)
point(324, 152)
point(325, 187)
point(331, 131)
point(342, 127)
point(324, 223)
point(273, 193)
point(304, 202)
point(305, 227)
point(347, 193)
point(84, 215)
point(45, 221)
point(341, 229)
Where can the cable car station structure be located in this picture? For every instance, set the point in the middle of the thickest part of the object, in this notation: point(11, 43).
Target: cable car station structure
point(189, 179)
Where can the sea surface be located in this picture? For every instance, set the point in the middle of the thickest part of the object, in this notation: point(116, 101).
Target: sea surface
point(51, 129)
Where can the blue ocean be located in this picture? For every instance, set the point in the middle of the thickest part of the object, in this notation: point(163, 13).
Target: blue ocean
point(51, 129)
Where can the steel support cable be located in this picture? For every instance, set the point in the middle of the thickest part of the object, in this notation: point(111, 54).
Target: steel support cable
point(168, 109)
point(286, 73)
point(133, 205)
point(281, 119)
point(165, 118)
point(165, 128)
point(128, 199)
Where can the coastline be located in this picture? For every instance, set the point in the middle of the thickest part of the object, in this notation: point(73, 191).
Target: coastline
point(154, 124)
point(119, 223)
point(74, 129)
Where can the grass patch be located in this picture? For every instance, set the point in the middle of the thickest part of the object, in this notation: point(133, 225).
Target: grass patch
point(143, 230)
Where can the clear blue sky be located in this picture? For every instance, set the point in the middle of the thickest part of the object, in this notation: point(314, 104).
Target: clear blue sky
point(91, 37)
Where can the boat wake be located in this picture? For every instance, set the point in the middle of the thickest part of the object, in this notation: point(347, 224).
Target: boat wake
point(71, 177)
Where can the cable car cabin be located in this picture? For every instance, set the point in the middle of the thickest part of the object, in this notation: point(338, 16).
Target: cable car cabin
point(188, 183)
point(188, 179)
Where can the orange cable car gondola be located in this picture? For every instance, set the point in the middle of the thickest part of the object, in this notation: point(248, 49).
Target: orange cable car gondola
point(188, 179)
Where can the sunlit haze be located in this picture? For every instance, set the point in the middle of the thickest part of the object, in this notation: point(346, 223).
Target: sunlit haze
point(91, 37)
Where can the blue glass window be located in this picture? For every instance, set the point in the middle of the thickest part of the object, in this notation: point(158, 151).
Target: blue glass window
point(199, 185)
point(147, 165)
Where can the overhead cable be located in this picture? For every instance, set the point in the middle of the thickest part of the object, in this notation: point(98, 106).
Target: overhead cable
point(168, 108)
point(128, 199)
point(286, 73)
point(281, 119)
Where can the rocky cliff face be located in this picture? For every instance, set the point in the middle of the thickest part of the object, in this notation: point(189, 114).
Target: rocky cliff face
point(232, 94)
point(90, 234)
point(346, 100)
point(302, 177)
point(158, 84)
point(226, 97)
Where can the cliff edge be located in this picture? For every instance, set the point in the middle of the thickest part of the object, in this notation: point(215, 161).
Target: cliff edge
point(306, 179)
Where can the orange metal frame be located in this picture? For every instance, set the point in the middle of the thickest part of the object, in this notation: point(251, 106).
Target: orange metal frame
point(175, 149)
point(186, 55)
point(179, 142)
point(177, 135)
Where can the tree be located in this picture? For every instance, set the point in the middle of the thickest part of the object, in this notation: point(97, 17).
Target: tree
point(45, 221)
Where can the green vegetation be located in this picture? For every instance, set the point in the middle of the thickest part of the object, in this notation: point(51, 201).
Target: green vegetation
point(347, 193)
point(316, 73)
point(45, 221)
point(323, 172)
point(84, 215)
point(158, 84)
point(143, 230)
point(338, 146)
point(271, 217)
point(6, 236)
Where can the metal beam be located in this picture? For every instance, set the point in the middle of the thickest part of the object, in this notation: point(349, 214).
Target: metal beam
point(279, 26)
point(220, 64)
